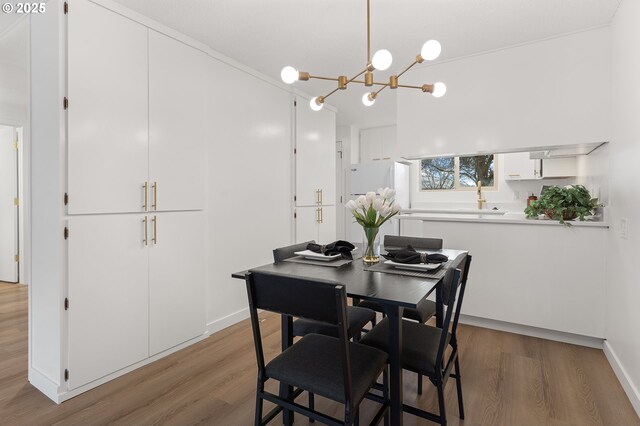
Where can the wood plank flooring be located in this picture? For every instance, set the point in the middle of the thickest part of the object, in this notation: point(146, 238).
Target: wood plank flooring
point(508, 379)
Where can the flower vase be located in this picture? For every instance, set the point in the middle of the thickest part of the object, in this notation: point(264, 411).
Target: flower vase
point(371, 243)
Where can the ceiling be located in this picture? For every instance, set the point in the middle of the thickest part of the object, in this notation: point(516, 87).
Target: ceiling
point(328, 37)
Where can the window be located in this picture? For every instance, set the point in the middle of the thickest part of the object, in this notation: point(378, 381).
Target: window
point(457, 173)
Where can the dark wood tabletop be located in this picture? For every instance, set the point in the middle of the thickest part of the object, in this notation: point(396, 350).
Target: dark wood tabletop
point(400, 290)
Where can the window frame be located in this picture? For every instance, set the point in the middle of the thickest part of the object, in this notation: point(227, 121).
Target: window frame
point(456, 175)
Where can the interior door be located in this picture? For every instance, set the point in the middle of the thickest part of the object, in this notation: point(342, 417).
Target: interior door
point(177, 89)
point(307, 221)
point(107, 111)
point(108, 312)
point(176, 279)
point(8, 206)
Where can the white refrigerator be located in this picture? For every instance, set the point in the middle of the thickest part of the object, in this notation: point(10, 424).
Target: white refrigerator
point(371, 176)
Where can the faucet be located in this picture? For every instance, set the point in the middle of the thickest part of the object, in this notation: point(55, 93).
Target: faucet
point(481, 200)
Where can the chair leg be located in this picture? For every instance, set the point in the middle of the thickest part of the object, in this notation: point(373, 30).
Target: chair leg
point(443, 412)
point(311, 405)
point(459, 388)
point(385, 392)
point(356, 418)
point(374, 320)
point(258, 419)
point(419, 384)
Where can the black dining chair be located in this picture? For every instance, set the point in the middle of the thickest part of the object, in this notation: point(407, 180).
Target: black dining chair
point(357, 316)
point(424, 347)
point(332, 367)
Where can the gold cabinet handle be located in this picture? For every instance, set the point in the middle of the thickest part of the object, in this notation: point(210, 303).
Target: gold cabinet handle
point(321, 197)
point(317, 215)
point(145, 240)
point(155, 195)
point(317, 196)
point(321, 215)
point(146, 196)
point(155, 230)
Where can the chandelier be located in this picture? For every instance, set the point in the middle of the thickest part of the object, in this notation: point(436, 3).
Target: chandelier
point(380, 61)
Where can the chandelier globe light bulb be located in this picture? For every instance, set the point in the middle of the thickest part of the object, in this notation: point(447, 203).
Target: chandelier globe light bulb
point(431, 50)
point(313, 103)
point(382, 60)
point(439, 89)
point(289, 75)
point(368, 100)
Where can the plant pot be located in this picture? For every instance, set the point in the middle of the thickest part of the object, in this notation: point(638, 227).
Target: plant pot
point(568, 214)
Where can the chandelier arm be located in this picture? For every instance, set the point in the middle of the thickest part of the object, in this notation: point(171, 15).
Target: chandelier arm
point(357, 75)
point(368, 32)
point(381, 89)
point(317, 77)
point(408, 68)
point(331, 93)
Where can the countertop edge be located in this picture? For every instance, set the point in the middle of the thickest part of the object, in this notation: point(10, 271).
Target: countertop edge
point(501, 221)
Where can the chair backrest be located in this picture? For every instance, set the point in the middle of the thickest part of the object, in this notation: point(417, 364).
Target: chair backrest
point(312, 299)
point(283, 253)
point(418, 243)
point(455, 279)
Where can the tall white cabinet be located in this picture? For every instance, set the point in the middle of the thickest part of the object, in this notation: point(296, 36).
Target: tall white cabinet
point(315, 195)
point(133, 240)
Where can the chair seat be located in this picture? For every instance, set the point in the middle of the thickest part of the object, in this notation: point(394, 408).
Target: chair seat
point(357, 316)
point(313, 364)
point(419, 344)
point(425, 310)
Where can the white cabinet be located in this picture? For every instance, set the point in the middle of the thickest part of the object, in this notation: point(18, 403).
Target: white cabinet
point(108, 315)
point(519, 166)
point(315, 155)
point(559, 167)
point(377, 144)
point(107, 111)
point(316, 223)
point(176, 279)
point(136, 288)
point(177, 89)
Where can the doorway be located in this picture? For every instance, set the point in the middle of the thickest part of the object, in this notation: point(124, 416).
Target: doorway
point(10, 141)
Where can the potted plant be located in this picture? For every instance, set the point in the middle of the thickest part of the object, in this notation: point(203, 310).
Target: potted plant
point(563, 203)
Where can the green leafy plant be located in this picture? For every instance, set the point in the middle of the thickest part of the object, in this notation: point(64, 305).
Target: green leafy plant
point(563, 203)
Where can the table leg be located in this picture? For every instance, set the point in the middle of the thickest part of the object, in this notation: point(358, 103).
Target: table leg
point(287, 340)
point(394, 315)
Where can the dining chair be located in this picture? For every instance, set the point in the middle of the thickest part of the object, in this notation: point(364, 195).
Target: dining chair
point(424, 347)
point(357, 316)
point(332, 367)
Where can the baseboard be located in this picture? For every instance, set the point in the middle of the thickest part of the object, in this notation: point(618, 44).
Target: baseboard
point(229, 320)
point(542, 333)
point(57, 395)
point(621, 373)
point(45, 385)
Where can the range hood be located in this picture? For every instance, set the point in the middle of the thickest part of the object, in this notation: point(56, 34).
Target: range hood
point(565, 151)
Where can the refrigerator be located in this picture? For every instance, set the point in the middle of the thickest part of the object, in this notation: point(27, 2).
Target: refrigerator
point(371, 176)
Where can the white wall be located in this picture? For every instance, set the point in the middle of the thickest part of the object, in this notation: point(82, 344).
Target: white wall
point(249, 184)
point(593, 173)
point(509, 195)
point(623, 279)
point(551, 92)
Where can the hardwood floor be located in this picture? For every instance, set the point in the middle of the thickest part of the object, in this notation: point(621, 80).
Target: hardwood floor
point(508, 379)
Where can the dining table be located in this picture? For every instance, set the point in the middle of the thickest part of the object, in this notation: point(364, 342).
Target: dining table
point(393, 291)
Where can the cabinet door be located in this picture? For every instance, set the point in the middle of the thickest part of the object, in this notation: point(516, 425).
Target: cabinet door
point(107, 117)
point(108, 316)
point(176, 279)
point(518, 166)
point(177, 89)
point(307, 221)
point(315, 158)
point(559, 167)
point(327, 226)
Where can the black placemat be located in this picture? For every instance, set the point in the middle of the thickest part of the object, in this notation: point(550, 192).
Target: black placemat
point(435, 274)
point(332, 263)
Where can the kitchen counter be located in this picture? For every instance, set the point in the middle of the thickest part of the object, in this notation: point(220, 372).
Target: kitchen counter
point(488, 216)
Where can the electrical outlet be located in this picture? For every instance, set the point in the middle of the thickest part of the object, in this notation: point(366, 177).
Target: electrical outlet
point(624, 228)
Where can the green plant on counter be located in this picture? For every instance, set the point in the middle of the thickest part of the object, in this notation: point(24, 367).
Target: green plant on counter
point(563, 203)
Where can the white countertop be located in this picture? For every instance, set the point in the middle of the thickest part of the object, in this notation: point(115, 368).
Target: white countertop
point(488, 216)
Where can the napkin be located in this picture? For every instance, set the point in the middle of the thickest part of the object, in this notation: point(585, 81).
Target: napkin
point(411, 256)
point(340, 247)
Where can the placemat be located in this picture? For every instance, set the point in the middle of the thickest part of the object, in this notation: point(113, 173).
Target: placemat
point(333, 263)
point(435, 274)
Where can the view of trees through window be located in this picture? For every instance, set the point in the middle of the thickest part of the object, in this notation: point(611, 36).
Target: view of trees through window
point(450, 173)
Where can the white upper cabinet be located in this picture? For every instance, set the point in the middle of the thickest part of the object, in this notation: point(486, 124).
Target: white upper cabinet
point(559, 167)
point(519, 166)
point(315, 155)
point(377, 144)
point(177, 90)
point(107, 112)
